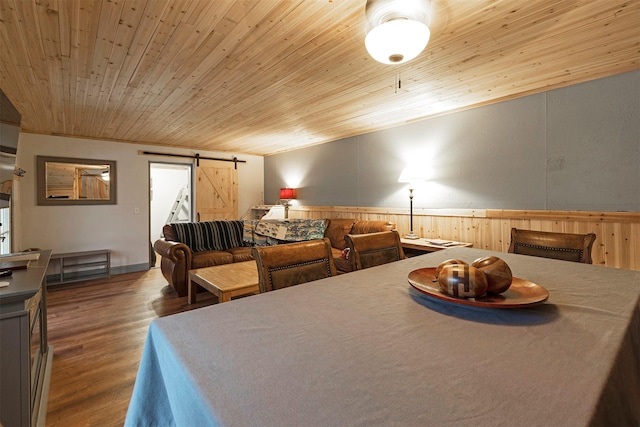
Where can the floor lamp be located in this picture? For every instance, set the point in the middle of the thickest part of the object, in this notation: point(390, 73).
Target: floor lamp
point(411, 176)
point(411, 234)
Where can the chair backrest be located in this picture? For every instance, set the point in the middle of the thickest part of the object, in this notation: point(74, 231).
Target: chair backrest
point(290, 264)
point(563, 246)
point(371, 249)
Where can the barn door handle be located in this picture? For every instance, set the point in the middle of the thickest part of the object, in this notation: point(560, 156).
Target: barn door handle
point(198, 217)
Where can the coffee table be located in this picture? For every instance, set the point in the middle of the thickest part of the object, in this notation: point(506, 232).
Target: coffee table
point(224, 281)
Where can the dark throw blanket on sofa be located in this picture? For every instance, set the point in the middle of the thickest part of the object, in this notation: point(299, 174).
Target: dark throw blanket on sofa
point(209, 235)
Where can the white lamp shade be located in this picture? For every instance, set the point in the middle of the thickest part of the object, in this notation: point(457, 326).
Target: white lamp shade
point(397, 41)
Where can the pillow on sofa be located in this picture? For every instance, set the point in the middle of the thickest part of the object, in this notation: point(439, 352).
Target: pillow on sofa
point(168, 233)
point(336, 230)
point(364, 227)
point(209, 235)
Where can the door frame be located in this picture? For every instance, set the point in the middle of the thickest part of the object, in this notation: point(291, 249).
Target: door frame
point(154, 234)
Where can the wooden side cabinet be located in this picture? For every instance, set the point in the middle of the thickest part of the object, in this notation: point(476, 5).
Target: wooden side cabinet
point(25, 355)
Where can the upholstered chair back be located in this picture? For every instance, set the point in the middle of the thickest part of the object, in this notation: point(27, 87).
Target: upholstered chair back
point(290, 264)
point(369, 250)
point(563, 246)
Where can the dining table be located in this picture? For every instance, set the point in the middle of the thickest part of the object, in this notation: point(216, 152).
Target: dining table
point(368, 348)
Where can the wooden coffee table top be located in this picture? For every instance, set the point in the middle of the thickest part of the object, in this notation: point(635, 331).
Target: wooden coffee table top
point(225, 281)
point(228, 277)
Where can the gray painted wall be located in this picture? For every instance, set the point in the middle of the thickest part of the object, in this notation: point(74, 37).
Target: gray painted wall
point(575, 148)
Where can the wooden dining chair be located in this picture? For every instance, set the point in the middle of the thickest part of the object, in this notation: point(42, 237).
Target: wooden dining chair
point(371, 249)
point(290, 264)
point(563, 246)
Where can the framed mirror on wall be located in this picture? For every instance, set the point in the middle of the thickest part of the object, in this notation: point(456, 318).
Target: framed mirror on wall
point(71, 181)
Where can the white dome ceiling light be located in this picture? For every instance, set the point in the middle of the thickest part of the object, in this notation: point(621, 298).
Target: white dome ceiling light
point(399, 29)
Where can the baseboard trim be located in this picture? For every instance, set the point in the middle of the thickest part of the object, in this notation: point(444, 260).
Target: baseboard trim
point(129, 268)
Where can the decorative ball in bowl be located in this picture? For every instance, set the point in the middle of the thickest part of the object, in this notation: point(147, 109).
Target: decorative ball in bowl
point(498, 273)
point(448, 262)
point(462, 280)
point(486, 275)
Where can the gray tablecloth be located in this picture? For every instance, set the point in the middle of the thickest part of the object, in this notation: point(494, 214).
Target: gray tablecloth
point(365, 349)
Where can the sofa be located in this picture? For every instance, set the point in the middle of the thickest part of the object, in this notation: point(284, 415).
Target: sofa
point(187, 246)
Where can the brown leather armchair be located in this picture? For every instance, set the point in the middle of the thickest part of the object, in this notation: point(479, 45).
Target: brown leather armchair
point(337, 230)
point(290, 264)
point(563, 246)
point(369, 250)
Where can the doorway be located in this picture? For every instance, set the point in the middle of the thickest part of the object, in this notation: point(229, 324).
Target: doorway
point(170, 196)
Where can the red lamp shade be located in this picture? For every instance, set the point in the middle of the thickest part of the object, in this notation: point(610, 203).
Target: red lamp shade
point(287, 193)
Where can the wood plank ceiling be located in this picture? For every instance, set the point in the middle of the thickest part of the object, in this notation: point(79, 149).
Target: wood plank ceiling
point(265, 76)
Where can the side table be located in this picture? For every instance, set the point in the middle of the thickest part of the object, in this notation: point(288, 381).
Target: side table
point(420, 246)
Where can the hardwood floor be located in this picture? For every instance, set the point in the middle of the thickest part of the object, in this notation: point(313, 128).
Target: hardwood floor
point(97, 330)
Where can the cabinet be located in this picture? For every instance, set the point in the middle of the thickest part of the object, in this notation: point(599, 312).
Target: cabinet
point(25, 355)
point(76, 266)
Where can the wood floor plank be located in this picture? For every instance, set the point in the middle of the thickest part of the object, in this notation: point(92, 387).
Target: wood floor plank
point(97, 330)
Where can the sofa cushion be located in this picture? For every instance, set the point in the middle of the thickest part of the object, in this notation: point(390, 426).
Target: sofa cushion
point(209, 235)
point(343, 265)
point(365, 227)
point(241, 254)
point(337, 228)
point(204, 259)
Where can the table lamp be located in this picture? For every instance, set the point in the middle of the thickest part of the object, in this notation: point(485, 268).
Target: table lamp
point(286, 195)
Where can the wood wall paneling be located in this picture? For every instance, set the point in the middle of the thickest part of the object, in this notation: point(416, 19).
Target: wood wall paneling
point(617, 242)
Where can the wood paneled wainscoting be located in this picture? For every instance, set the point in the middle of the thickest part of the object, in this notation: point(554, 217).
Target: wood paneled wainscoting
point(618, 233)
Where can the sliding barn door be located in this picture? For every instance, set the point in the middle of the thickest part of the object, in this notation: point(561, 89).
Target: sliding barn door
point(216, 190)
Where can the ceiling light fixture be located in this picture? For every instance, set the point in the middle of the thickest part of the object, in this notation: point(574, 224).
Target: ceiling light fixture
point(399, 29)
